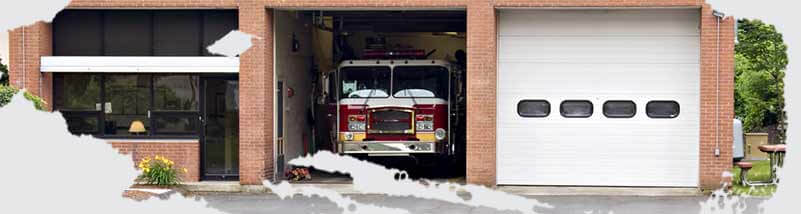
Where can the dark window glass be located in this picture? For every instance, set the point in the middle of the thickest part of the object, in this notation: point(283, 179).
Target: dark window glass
point(420, 81)
point(576, 108)
point(620, 109)
point(77, 97)
point(533, 108)
point(176, 93)
point(82, 123)
point(127, 103)
point(73, 92)
point(662, 109)
point(360, 82)
point(124, 105)
point(332, 87)
point(186, 124)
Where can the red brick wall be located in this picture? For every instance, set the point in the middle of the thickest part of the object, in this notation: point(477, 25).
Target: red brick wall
point(598, 3)
point(37, 43)
point(481, 86)
point(712, 167)
point(184, 154)
point(256, 96)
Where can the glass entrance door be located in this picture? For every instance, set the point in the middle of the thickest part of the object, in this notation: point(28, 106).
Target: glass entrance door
point(220, 132)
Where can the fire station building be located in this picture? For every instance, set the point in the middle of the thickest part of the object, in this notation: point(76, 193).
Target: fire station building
point(555, 93)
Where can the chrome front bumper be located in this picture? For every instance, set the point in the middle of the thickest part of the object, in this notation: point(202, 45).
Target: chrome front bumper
point(389, 147)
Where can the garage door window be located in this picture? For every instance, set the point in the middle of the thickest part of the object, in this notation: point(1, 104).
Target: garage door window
point(620, 109)
point(576, 108)
point(662, 109)
point(533, 108)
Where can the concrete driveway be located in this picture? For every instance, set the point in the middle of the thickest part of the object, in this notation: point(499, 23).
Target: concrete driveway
point(267, 203)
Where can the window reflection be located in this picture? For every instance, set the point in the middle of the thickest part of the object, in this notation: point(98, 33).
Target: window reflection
point(126, 105)
point(126, 101)
point(77, 92)
point(176, 92)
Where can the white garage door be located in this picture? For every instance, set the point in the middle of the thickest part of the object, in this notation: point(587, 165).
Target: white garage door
point(589, 57)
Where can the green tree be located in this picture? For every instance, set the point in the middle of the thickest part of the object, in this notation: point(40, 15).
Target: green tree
point(3, 73)
point(760, 62)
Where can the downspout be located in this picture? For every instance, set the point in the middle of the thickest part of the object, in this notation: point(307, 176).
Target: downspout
point(719, 16)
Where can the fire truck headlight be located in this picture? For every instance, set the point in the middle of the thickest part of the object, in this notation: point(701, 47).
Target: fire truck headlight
point(420, 126)
point(440, 134)
point(356, 126)
point(348, 136)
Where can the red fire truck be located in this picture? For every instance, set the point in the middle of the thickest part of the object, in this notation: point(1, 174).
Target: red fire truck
point(392, 107)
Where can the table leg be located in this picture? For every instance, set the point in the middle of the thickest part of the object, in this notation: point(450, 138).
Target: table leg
point(773, 165)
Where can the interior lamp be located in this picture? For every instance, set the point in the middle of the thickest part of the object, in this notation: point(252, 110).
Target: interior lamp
point(137, 127)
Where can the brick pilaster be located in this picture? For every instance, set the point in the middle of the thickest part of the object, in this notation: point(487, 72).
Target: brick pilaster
point(256, 95)
point(711, 166)
point(481, 87)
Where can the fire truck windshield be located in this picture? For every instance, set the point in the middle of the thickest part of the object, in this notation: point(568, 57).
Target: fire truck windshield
point(367, 81)
point(420, 81)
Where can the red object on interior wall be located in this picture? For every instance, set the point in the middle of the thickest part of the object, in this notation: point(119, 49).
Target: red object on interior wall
point(290, 92)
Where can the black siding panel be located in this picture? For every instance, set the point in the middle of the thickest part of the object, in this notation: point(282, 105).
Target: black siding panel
point(176, 33)
point(128, 33)
point(216, 25)
point(78, 33)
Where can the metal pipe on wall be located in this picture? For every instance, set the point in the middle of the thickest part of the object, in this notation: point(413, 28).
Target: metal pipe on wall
point(719, 16)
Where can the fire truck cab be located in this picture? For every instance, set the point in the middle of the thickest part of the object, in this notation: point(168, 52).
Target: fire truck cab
point(390, 107)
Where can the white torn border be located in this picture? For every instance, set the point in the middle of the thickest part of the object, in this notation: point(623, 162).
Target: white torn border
point(19, 13)
point(232, 44)
point(49, 170)
point(348, 205)
point(370, 178)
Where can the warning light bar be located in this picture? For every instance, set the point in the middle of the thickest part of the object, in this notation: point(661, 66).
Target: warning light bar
point(396, 54)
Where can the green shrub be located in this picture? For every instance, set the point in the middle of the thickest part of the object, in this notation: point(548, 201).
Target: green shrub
point(159, 171)
point(6, 92)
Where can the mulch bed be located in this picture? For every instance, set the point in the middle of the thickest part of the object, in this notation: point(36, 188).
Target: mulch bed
point(139, 195)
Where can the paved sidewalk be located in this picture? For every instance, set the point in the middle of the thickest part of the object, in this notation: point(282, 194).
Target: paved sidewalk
point(243, 203)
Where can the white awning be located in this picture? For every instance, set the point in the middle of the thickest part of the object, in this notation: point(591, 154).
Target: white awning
point(139, 64)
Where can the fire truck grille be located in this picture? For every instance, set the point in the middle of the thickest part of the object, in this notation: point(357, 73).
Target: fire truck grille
point(390, 122)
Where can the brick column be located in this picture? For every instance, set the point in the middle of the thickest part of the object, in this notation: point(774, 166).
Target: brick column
point(256, 96)
point(36, 40)
point(711, 166)
point(481, 85)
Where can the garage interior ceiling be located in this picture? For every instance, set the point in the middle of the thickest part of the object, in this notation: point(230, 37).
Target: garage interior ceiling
point(397, 21)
